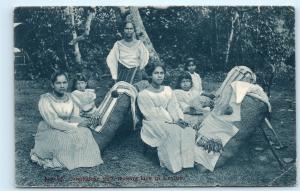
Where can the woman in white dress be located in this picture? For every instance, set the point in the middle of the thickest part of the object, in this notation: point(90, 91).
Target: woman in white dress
point(62, 139)
point(127, 57)
point(162, 125)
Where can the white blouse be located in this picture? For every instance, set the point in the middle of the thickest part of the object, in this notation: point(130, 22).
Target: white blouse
point(57, 113)
point(162, 106)
point(134, 56)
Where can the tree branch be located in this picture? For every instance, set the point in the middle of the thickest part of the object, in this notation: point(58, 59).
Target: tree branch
point(91, 15)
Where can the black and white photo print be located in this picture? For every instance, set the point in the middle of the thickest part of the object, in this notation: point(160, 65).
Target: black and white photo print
point(154, 96)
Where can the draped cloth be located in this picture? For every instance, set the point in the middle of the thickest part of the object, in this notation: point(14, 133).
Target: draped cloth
point(239, 90)
point(132, 58)
point(108, 104)
point(238, 73)
point(218, 125)
point(223, 94)
point(196, 82)
point(216, 128)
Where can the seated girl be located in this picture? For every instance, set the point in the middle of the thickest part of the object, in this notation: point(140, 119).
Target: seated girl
point(190, 100)
point(190, 67)
point(84, 98)
point(162, 125)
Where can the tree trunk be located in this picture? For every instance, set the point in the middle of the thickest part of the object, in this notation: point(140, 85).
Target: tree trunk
point(76, 46)
point(233, 20)
point(214, 38)
point(141, 33)
point(91, 15)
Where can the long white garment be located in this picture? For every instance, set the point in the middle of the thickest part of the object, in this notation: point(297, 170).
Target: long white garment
point(130, 57)
point(175, 145)
point(58, 141)
point(197, 82)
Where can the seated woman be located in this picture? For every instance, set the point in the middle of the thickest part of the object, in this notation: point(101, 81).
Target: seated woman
point(162, 126)
point(62, 141)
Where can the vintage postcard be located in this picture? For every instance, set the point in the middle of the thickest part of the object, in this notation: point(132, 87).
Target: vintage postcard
point(172, 96)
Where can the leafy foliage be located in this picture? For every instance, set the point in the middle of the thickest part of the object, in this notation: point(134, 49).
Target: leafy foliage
point(261, 35)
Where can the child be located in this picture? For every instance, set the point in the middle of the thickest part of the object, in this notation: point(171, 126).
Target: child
point(84, 98)
point(190, 101)
point(196, 80)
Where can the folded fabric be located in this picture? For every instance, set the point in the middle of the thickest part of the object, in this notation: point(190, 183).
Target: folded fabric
point(241, 89)
point(213, 127)
point(109, 102)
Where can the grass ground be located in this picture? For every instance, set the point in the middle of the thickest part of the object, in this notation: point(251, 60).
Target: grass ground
point(126, 166)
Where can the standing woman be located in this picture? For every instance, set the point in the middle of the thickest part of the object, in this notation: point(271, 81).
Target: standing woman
point(61, 141)
point(162, 126)
point(127, 57)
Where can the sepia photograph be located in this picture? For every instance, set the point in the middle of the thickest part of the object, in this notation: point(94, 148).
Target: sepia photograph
point(154, 96)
